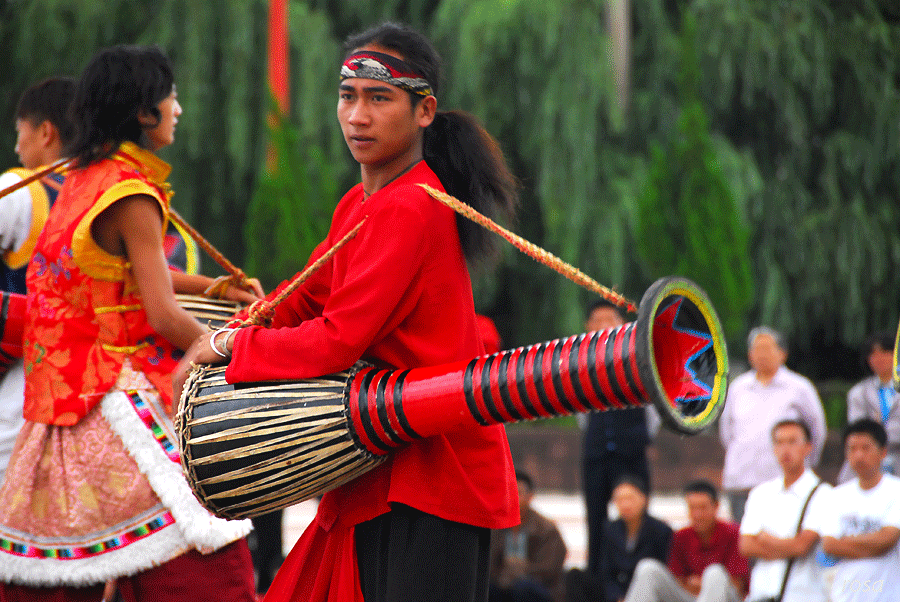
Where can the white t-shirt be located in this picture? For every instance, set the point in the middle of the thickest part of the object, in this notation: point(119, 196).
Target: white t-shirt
point(854, 511)
point(15, 225)
point(15, 219)
point(776, 510)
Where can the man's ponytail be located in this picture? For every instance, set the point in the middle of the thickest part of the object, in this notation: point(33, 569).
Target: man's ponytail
point(471, 167)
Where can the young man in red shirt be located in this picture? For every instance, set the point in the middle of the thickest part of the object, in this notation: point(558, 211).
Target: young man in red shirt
point(704, 562)
point(398, 295)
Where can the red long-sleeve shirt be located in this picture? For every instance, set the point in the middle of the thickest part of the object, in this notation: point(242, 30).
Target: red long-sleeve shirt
point(399, 296)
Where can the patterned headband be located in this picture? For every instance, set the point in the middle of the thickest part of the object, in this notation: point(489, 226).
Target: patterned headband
point(368, 64)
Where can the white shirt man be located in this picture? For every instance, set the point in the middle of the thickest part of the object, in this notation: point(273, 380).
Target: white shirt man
point(756, 401)
point(862, 526)
point(769, 529)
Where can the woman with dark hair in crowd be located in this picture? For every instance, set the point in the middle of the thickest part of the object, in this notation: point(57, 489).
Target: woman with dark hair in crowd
point(94, 491)
point(628, 539)
point(398, 295)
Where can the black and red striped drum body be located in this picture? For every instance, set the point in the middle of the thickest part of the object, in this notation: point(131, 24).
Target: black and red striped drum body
point(673, 356)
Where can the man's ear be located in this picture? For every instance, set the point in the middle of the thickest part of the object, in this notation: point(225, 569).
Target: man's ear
point(47, 133)
point(426, 110)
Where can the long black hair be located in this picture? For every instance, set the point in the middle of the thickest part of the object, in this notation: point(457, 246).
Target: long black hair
point(465, 158)
point(118, 83)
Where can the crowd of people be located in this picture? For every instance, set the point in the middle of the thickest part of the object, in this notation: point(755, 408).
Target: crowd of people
point(788, 536)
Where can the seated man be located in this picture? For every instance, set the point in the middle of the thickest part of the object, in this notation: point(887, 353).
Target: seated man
point(862, 525)
point(527, 560)
point(785, 566)
point(704, 562)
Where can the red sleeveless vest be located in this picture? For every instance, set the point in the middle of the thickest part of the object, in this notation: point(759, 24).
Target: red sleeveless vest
point(85, 313)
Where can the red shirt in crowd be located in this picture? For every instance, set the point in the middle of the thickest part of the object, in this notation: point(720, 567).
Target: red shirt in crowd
point(688, 555)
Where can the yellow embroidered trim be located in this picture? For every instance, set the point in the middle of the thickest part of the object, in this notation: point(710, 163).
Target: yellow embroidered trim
point(87, 254)
point(40, 208)
point(129, 349)
point(193, 255)
point(117, 309)
point(145, 162)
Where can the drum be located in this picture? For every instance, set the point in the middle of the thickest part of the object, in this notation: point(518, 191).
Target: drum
point(214, 313)
point(252, 448)
point(259, 447)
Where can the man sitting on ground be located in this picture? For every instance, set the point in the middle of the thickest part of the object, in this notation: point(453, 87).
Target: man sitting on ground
point(785, 567)
point(704, 562)
point(527, 560)
point(862, 526)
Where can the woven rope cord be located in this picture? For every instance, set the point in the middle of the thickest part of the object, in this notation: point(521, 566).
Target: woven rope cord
point(58, 166)
point(532, 250)
point(262, 311)
point(238, 277)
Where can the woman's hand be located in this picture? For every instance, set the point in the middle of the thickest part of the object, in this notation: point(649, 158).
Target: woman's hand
point(201, 352)
point(251, 292)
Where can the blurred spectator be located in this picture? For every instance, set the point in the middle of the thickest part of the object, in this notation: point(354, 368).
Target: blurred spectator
point(875, 398)
point(626, 540)
point(704, 562)
point(615, 444)
point(785, 567)
point(757, 399)
point(43, 129)
point(527, 560)
point(862, 525)
point(631, 537)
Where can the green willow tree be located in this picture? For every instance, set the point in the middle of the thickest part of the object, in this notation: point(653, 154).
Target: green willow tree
point(802, 101)
point(689, 222)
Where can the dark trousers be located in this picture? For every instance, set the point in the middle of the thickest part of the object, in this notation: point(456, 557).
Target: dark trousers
point(265, 547)
point(525, 589)
point(599, 476)
point(409, 556)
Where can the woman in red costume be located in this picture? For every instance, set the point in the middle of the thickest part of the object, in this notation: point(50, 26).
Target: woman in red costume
point(399, 296)
point(94, 491)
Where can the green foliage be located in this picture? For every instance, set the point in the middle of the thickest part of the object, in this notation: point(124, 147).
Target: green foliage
point(688, 220)
point(288, 215)
point(800, 148)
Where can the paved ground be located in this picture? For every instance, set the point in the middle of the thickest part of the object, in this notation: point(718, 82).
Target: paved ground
point(566, 509)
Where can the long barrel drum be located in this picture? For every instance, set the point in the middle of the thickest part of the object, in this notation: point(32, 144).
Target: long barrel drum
point(252, 448)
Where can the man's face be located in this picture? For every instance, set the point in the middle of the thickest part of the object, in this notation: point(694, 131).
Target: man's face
point(864, 454)
point(765, 355)
point(881, 361)
point(702, 511)
point(378, 120)
point(603, 318)
point(29, 143)
point(791, 447)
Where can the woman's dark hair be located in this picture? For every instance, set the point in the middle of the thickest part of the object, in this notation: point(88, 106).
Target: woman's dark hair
point(633, 480)
point(117, 84)
point(49, 100)
point(465, 158)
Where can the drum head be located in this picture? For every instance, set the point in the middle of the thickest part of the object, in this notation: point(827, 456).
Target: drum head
point(681, 353)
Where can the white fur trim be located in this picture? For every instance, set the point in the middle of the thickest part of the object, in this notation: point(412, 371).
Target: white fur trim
point(137, 556)
point(200, 529)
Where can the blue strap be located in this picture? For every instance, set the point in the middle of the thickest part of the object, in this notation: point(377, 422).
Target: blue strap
point(885, 397)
